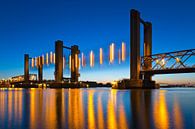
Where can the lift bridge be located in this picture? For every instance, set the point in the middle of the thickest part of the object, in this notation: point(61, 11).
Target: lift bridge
point(141, 68)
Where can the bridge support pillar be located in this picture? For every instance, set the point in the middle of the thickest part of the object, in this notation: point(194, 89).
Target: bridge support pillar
point(147, 80)
point(40, 69)
point(74, 63)
point(26, 68)
point(59, 61)
point(147, 47)
point(135, 62)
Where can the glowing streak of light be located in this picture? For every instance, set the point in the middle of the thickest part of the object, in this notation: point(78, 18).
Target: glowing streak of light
point(76, 60)
point(54, 58)
point(43, 60)
point(119, 56)
point(82, 59)
point(79, 63)
point(64, 62)
point(101, 56)
point(47, 58)
point(177, 60)
point(157, 61)
point(36, 61)
point(51, 57)
point(91, 59)
point(70, 62)
point(163, 63)
point(123, 51)
point(112, 53)
point(85, 62)
point(32, 63)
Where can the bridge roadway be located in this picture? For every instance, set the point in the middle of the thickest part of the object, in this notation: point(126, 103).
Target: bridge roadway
point(169, 71)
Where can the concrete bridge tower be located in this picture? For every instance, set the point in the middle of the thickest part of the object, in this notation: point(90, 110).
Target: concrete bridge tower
point(26, 68)
point(135, 59)
point(75, 63)
point(58, 61)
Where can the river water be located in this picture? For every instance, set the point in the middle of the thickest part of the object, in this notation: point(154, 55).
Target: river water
point(97, 108)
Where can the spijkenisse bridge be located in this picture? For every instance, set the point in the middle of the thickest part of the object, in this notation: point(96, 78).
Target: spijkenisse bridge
point(141, 68)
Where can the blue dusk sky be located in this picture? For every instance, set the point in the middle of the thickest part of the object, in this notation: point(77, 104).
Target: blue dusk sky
point(32, 26)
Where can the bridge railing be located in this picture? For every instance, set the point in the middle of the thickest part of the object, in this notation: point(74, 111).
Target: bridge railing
point(170, 60)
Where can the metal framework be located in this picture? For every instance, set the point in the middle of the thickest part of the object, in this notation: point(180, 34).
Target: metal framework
point(169, 61)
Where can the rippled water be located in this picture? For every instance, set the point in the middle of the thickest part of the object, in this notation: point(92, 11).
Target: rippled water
point(97, 108)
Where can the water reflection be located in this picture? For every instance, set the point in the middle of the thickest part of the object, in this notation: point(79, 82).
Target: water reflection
point(161, 116)
point(94, 108)
point(177, 115)
point(140, 109)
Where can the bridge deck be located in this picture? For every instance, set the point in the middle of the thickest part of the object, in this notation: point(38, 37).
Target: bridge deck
point(169, 71)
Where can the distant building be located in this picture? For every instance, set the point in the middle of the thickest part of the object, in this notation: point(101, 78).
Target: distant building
point(32, 77)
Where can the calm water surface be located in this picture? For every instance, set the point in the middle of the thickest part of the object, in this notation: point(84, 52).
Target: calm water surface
point(97, 108)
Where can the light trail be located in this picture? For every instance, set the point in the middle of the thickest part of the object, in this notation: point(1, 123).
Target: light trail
point(82, 59)
point(101, 56)
point(70, 62)
point(47, 58)
point(119, 56)
point(64, 62)
point(112, 46)
point(32, 63)
point(51, 57)
point(79, 63)
point(43, 60)
point(54, 58)
point(76, 60)
point(123, 51)
point(91, 59)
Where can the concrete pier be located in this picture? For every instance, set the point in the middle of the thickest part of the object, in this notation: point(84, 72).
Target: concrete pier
point(147, 79)
point(74, 63)
point(40, 69)
point(58, 61)
point(147, 48)
point(135, 81)
point(26, 68)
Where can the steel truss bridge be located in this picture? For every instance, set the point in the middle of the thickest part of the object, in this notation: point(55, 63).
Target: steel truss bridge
point(170, 63)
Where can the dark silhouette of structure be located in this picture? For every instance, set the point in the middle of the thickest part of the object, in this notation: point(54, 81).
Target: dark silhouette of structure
point(26, 68)
point(136, 79)
point(59, 62)
point(141, 69)
point(74, 63)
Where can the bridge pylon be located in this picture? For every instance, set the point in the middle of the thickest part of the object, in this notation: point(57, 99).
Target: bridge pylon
point(59, 61)
point(147, 78)
point(75, 63)
point(26, 68)
point(137, 80)
point(40, 69)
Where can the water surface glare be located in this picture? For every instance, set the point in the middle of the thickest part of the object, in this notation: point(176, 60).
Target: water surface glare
point(97, 108)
